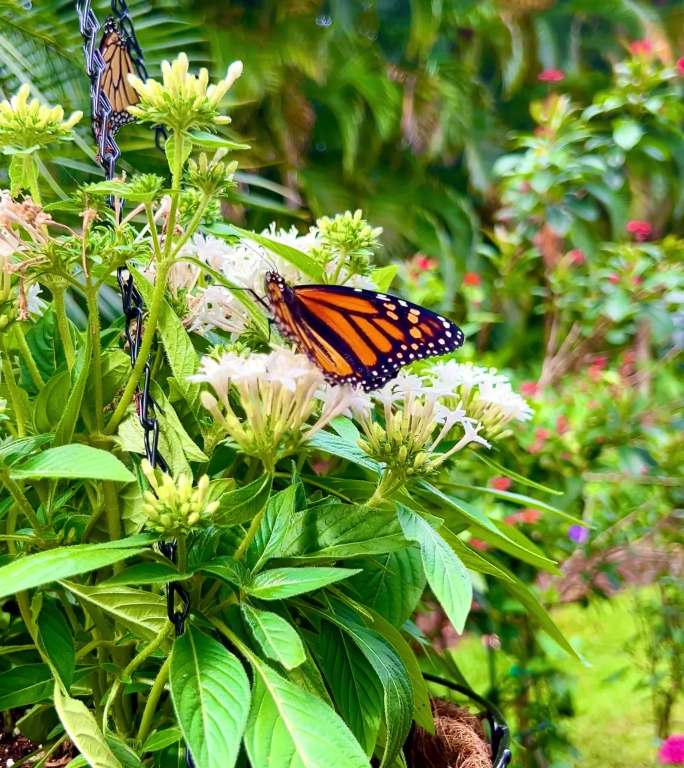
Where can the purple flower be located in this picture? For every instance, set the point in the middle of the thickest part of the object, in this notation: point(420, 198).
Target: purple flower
point(672, 750)
point(579, 534)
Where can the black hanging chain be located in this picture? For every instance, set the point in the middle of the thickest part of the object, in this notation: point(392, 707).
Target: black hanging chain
point(105, 125)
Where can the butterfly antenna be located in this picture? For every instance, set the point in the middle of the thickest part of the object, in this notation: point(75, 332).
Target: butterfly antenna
point(260, 299)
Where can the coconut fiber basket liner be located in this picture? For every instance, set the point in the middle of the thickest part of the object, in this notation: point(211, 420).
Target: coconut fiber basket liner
point(499, 735)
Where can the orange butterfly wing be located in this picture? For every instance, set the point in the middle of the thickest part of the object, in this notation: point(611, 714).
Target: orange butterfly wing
point(114, 77)
point(358, 336)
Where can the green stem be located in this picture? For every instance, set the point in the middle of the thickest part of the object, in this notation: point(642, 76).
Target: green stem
point(153, 700)
point(192, 226)
point(27, 357)
point(145, 347)
point(249, 536)
point(111, 504)
point(21, 501)
point(176, 174)
point(127, 674)
point(58, 294)
point(96, 356)
point(149, 213)
point(12, 389)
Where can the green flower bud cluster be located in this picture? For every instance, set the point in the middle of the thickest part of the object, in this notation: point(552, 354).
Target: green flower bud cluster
point(27, 125)
point(398, 449)
point(212, 176)
point(349, 238)
point(174, 506)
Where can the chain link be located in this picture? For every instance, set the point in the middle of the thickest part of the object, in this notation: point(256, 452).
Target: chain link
point(133, 306)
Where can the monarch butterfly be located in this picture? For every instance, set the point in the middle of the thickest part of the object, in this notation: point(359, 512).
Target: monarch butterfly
point(357, 336)
point(115, 48)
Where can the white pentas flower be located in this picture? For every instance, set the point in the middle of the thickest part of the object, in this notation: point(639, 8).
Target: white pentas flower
point(415, 423)
point(277, 405)
point(484, 393)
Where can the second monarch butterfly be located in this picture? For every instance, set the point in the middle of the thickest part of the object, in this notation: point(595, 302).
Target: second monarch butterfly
point(357, 336)
point(115, 48)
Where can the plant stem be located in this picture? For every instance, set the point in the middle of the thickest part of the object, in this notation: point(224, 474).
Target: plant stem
point(176, 174)
point(192, 225)
point(21, 501)
point(153, 700)
point(27, 357)
point(111, 503)
point(96, 355)
point(58, 294)
point(12, 389)
point(249, 536)
point(145, 347)
point(137, 660)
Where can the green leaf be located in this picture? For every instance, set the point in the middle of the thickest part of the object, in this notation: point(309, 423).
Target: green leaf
point(210, 693)
point(25, 685)
point(242, 504)
point(170, 151)
point(279, 583)
point(206, 140)
point(627, 134)
point(470, 557)
point(422, 711)
point(501, 470)
point(383, 276)
point(289, 727)
point(274, 524)
point(144, 613)
point(173, 427)
point(67, 424)
point(80, 725)
point(64, 562)
point(177, 344)
point(12, 450)
point(338, 446)
point(146, 573)
point(397, 690)
point(57, 641)
point(354, 685)
point(446, 574)
point(518, 498)
point(227, 569)
point(74, 461)
point(278, 639)
point(294, 256)
point(161, 739)
point(339, 530)
point(48, 407)
point(392, 584)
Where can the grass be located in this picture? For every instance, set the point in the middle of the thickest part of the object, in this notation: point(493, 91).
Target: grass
point(613, 727)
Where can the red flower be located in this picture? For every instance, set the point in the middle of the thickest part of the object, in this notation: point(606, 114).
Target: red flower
point(600, 362)
point(641, 47)
point(562, 425)
point(424, 263)
point(528, 516)
point(680, 66)
point(529, 388)
point(613, 278)
point(471, 278)
point(501, 483)
point(577, 257)
point(478, 544)
point(637, 279)
point(641, 230)
point(551, 76)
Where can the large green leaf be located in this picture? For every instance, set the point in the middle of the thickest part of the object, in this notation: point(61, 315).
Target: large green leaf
point(354, 685)
point(146, 573)
point(274, 524)
point(289, 727)
point(25, 685)
point(143, 613)
point(277, 638)
point(64, 562)
point(340, 530)
point(56, 640)
point(392, 583)
point(339, 446)
point(279, 583)
point(210, 693)
point(447, 576)
point(80, 725)
point(242, 504)
point(396, 685)
point(67, 424)
point(75, 461)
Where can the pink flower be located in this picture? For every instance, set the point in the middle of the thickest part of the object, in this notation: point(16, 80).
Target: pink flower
point(672, 750)
point(501, 483)
point(562, 425)
point(424, 263)
point(637, 279)
point(551, 76)
point(613, 278)
point(478, 544)
point(471, 278)
point(680, 66)
point(576, 257)
point(641, 230)
point(528, 516)
point(641, 47)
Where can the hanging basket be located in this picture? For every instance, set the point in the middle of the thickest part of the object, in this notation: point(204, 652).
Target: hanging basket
point(460, 729)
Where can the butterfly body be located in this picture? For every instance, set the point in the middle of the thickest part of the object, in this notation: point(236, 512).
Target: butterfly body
point(356, 336)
